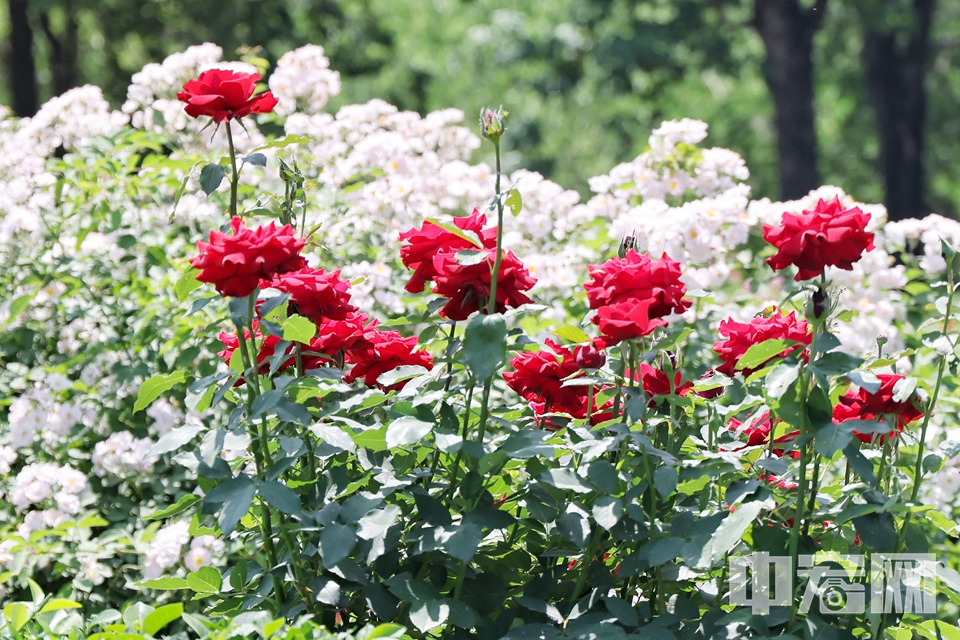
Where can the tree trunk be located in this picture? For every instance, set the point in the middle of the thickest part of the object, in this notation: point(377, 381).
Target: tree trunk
point(21, 69)
point(896, 70)
point(63, 49)
point(787, 31)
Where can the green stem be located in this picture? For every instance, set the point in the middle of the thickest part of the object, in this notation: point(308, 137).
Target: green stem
point(484, 411)
point(463, 434)
point(235, 179)
point(620, 374)
point(587, 559)
point(492, 302)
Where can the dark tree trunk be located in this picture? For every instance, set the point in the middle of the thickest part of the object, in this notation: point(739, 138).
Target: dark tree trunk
point(21, 69)
point(896, 70)
point(63, 49)
point(787, 31)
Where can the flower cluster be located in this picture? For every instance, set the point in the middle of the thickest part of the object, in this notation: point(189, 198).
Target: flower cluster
point(58, 489)
point(879, 405)
point(462, 269)
point(741, 336)
point(124, 456)
point(303, 81)
point(633, 294)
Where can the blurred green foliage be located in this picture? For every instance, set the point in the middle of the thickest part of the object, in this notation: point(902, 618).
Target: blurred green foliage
point(584, 80)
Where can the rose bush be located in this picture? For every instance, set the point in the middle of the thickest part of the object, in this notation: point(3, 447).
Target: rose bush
point(591, 410)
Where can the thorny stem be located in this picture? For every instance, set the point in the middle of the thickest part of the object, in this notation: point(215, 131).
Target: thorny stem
point(235, 180)
point(492, 302)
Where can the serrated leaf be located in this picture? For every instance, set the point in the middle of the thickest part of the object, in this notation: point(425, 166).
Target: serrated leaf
point(187, 283)
point(729, 533)
point(336, 543)
point(607, 511)
point(565, 479)
point(485, 345)
point(256, 159)
point(280, 497)
point(865, 380)
point(204, 580)
point(904, 388)
point(151, 389)
point(407, 430)
point(514, 202)
point(299, 329)
point(761, 353)
point(60, 603)
point(665, 480)
point(160, 618)
point(210, 178)
point(235, 496)
point(780, 378)
point(832, 438)
point(571, 333)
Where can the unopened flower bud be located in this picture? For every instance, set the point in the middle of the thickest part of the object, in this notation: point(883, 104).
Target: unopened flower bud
point(628, 243)
point(819, 302)
point(491, 123)
point(589, 357)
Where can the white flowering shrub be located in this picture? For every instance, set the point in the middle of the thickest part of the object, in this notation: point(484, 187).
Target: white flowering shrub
point(124, 403)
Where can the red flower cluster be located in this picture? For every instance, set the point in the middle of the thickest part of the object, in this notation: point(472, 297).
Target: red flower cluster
point(224, 95)
point(758, 433)
point(316, 295)
point(740, 337)
point(538, 377)
point(355, 341)
point(880, 406)
point(657, 383)
point(385, 351)
point(431, 252)
point(236, 264)
point(632, 294)
point(827, 236)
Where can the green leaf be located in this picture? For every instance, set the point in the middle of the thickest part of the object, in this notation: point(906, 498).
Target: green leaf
point(665, 480)
point(729, 533)
point(180, 506)
point(236, 496)
point(429, 614)
point(299, 329)
point(336, 543)
point(836, 363)
point(514, 202)
point(401, 373)
point(17, 307)
point(865, 380)
point(60, 603)
point(407, 430)
point(152, 388)
point(565, 479)
point(388, 630)
point(607, 511)
point(485, 345)
point(256, 159)
point(904, 388)
point(163, 616)
point(187, 283)
point(571, 333)
point(662, 550)
point(204, 580)
point(575, 528)
point(210, 178)
point(464, 540)
point(17, 615)
point(877, 531)
point(280, 497)
point(780, 378)
point(832, 438)
point(762, 352)
point(175, 438)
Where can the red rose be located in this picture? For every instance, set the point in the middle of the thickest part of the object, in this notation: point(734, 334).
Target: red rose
point(317, 295)
point(468, 286)
point(880, 406)
point(656, 383)
point(431, 239)
point(828, 236)
point(636, 277)
point(386, 351)
point(589, 356)
point(224, 95)
point(336, 338)
point(758, 433)
point(236, 264)
point(740, 337)
point(625, 320)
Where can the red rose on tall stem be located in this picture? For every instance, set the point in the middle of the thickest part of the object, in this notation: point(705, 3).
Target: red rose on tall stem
point(224, 95)
point(625, 320)
point(638, 277)
point(423, 244)
point(741, 336)
point(317, 295)
point(468, 285)
point(236, 264)
point(880, 406)
point(656, 382)
point(828, 236)
point(337, 338)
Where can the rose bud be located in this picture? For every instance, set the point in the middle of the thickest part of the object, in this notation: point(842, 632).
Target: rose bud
point(589, 357)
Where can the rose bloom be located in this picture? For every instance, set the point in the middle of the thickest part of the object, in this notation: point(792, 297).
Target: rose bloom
point(468, 286)
point(625, 320)
point(538, 378)
point(637, 277)
point(336, 338)
point(741, 336)
point(657, 383)
point(880, 406)
point(224, 95)
point(387, 351)
point(236, 264)
point(431, 239)
point(316, 295)
point(828, 236)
